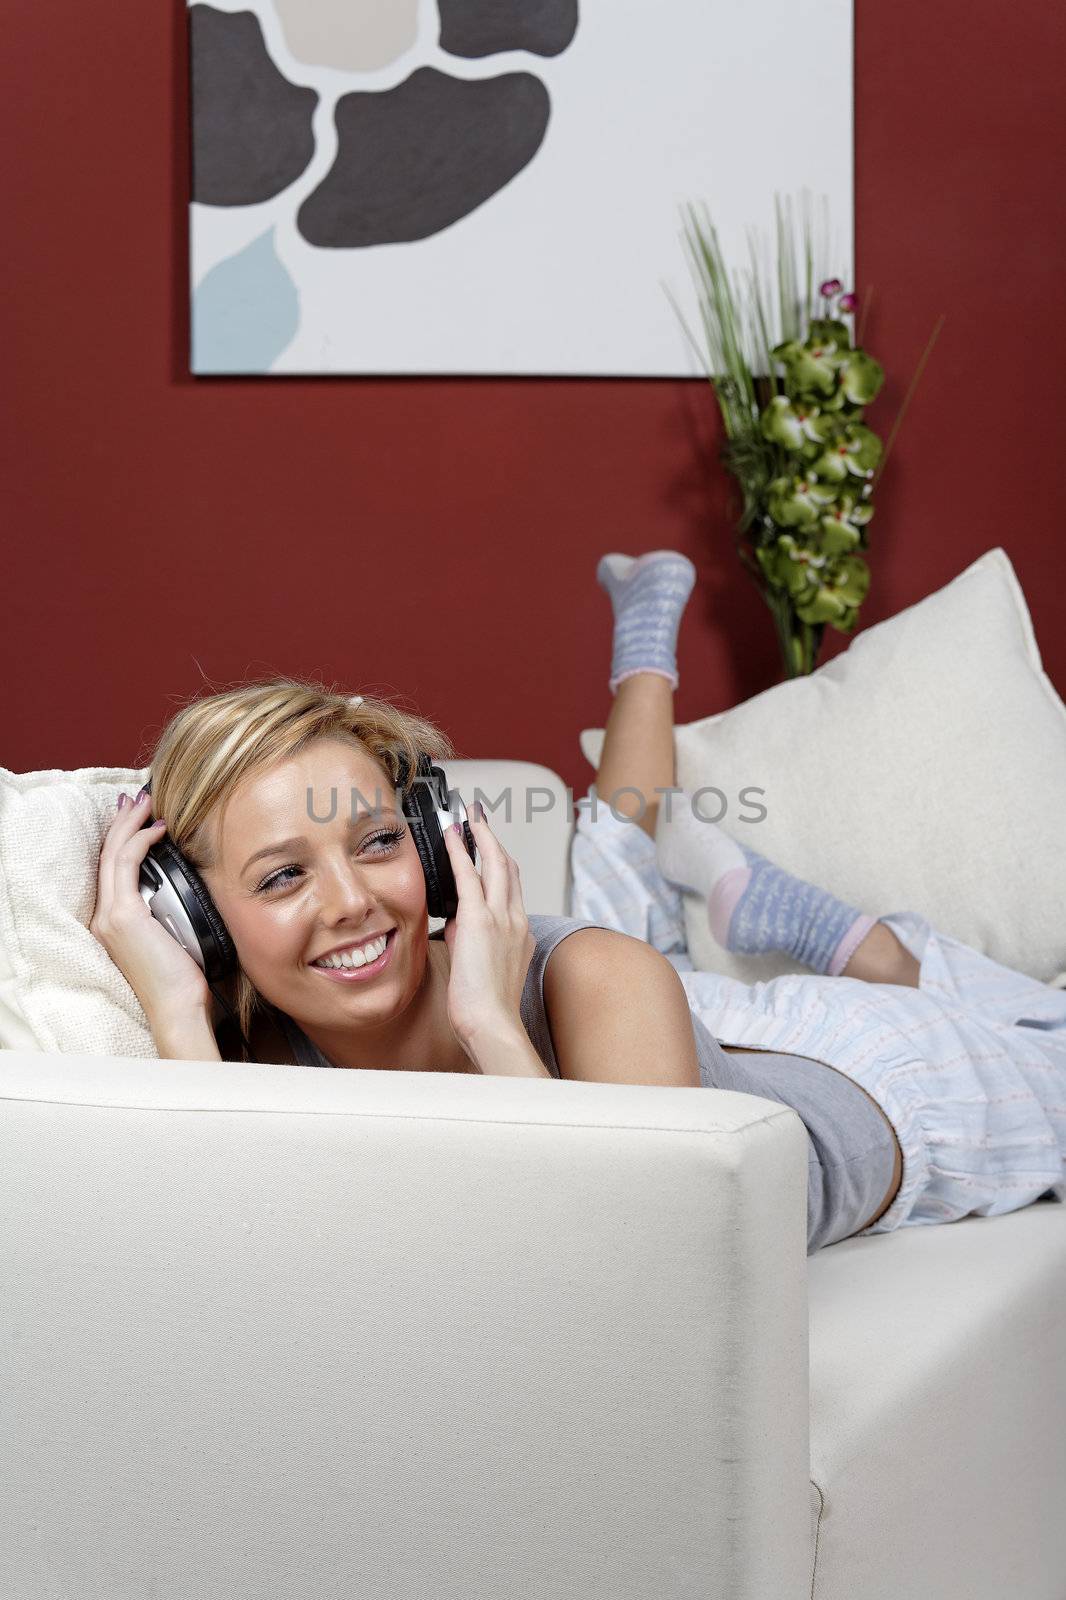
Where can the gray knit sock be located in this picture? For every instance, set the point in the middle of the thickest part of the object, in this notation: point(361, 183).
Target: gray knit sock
point(648, 595)
point(754, 906)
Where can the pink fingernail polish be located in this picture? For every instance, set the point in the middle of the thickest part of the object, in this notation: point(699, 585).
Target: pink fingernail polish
point(457, 829)
point(122, 800)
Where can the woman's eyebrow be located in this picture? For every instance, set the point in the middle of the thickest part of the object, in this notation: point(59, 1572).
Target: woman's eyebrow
point(273, 850)
point(284, 845)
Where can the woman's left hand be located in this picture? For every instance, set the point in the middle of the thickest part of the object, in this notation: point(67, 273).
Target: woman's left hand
point(489, 940)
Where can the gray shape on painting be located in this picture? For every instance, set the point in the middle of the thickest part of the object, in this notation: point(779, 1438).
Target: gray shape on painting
point(482, 27)
point(251, 127)
point(414, 159)
point(245, 312)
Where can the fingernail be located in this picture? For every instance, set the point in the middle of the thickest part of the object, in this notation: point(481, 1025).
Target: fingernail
point(142, 792)
point(456, 828)
point(479, 811)
point(122, 800)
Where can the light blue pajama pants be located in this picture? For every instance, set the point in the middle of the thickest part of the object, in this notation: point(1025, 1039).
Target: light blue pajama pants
point(970, 1067)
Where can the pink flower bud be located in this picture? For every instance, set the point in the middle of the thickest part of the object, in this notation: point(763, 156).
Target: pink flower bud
point(848, 302)
point(830, 286)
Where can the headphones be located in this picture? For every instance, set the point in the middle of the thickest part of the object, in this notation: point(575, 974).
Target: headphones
point(177, 896)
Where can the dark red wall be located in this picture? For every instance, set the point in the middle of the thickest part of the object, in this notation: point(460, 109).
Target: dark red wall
point(436, 539)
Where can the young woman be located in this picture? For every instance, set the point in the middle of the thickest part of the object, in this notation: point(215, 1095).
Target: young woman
point(608, 995)
point(961, 1061)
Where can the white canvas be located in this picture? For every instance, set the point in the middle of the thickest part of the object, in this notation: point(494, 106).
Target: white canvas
point(562, 270)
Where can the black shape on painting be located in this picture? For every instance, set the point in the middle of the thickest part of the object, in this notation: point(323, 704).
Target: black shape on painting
point(251, 127)
point(482, 27)
point(414, 159)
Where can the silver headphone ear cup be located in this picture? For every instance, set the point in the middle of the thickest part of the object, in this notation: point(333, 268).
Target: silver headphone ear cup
point(216, 947)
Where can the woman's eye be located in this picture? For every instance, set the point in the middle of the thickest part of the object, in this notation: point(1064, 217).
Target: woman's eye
point(388, 837)
point(385, 840)
point(276, 880)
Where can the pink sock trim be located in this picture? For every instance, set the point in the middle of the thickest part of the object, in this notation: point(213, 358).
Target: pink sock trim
point(723, 901)
point(849, 944)
point(634, 672)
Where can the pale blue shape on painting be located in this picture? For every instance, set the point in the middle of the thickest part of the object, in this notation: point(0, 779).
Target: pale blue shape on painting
point(245, 311)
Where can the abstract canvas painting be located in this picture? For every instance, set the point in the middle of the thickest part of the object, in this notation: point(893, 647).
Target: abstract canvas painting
point(493, 186)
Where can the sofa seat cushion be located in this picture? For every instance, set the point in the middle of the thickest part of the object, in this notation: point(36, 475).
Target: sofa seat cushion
point(938, 1411)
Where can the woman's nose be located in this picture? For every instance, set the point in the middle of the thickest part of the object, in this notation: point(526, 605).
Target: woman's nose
point(345, 892)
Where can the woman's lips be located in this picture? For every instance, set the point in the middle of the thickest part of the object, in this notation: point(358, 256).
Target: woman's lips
point(360, 974)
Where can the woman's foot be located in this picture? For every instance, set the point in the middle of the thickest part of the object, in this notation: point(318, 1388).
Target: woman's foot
point(753, 906)
point(648, 594)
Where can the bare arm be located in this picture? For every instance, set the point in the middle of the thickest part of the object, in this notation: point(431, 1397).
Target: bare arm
point(618, 1012)
point(505, 1053)
point(189, 1037)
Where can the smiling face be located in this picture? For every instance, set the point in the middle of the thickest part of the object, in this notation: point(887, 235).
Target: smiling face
point(331, 885)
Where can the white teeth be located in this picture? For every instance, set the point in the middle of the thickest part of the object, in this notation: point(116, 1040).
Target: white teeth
point(355, 958)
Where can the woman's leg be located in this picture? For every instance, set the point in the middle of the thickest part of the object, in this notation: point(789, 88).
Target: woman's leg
point(881, 958)
point(637, 760)
point(755, 907)
point(648, 596)
point(638, 748)
point(614, 877)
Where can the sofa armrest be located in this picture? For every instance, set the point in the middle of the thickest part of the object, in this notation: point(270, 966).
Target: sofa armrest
point(275, 1332)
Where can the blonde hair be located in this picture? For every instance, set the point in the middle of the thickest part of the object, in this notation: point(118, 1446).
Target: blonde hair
point(211, 744)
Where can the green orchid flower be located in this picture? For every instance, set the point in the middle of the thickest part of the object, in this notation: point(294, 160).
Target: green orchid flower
point(860, 378)
point(843, 587)
point(796, 424)
point(855, 453)
point(807, 371)
point(797, 502)
point(837, 534)
point(826, 332)
point(866, 449)
point(855, 504)
point(812, 366)
point(792, 567)
point(821, 588)
point(836, 405)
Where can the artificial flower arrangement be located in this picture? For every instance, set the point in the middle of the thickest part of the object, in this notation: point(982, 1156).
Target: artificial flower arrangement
point(806, 462)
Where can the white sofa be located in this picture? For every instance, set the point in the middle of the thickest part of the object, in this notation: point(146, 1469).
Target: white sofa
point(279, 1334)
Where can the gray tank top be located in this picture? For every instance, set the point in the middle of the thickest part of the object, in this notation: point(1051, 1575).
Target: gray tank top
point(852, 1152)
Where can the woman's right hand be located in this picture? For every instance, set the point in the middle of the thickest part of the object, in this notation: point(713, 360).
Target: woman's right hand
point(166, 980)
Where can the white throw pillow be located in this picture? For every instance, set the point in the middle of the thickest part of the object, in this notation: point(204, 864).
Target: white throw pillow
point(59, 988)
point(922, 770)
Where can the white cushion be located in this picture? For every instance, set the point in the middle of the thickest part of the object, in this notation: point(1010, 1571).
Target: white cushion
point(59, 989)
point(923, 770)
point(938, 1410)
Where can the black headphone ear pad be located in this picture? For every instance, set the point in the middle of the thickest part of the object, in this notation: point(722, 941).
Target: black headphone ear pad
point(219, 952)
point(424, 846)
point(420, 813)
